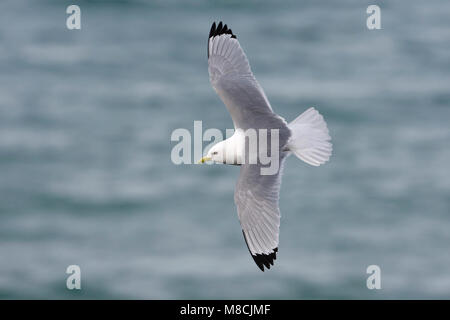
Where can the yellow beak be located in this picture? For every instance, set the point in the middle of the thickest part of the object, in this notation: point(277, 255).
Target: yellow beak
point(202, 160)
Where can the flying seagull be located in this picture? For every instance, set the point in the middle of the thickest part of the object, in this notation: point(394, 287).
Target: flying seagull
point(256, 195)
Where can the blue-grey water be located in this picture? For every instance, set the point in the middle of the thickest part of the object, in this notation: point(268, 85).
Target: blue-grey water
point(86, 176)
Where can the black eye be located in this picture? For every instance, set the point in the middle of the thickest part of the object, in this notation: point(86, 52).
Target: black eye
point(214, 153)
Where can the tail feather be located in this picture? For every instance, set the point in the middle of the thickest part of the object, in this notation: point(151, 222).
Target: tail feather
point(310, 140)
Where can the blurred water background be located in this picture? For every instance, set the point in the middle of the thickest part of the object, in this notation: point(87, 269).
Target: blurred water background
point(86, 176)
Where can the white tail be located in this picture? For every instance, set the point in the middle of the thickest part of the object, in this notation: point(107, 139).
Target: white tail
point(310, 140)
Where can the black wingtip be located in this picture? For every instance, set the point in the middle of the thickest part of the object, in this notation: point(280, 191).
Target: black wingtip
point(265, 260)
point(217, 30)
point(213, 29)
point(262, 260)
point(220, 29)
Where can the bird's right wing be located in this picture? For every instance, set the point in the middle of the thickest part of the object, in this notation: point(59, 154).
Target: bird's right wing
point(233, 80)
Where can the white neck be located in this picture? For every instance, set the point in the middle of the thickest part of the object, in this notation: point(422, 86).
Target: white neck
point(233, 147)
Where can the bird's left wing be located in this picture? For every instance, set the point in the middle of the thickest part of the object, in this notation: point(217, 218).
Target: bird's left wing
point(233, 80)
point(256, 197)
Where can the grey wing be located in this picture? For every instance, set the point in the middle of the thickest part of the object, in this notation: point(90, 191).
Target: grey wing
point(256, 197)
point(234, 82)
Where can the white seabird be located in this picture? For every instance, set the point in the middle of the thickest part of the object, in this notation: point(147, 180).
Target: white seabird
point(256, 195)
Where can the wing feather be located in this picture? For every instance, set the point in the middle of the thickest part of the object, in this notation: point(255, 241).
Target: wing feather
point(256, 197)
point(231, 76)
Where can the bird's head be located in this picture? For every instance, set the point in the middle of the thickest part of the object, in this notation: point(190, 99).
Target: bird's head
point(216, 153)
